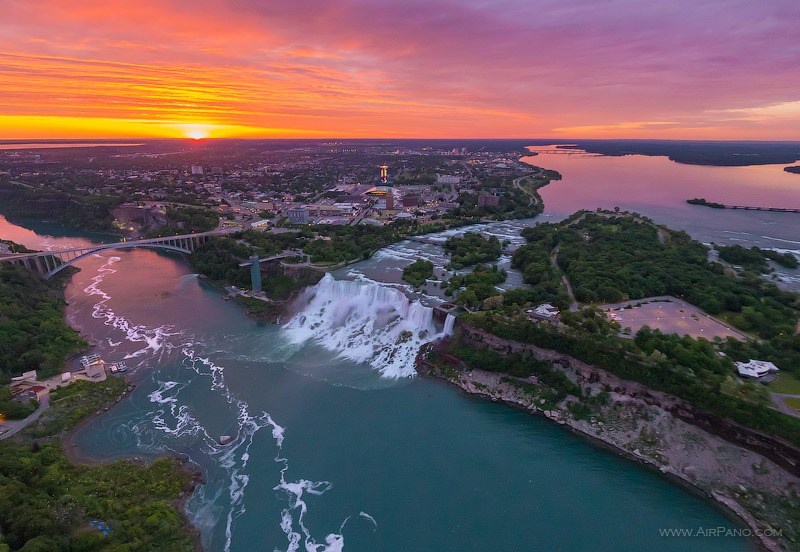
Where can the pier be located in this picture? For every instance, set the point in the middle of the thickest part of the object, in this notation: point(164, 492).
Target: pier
point(773, 209)
point(714, 205)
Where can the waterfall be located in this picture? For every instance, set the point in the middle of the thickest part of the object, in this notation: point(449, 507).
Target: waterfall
point(366, 323)
point(449, 322)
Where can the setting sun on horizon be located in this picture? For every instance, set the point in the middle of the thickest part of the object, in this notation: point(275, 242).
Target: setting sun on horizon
point(196, 131)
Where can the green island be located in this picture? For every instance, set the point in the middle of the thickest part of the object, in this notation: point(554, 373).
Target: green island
point(702, 201)
point(417, 272)
point(47, 501)
point(755, 258)
point(609, 257)
point(477, 289)
point(472, 248)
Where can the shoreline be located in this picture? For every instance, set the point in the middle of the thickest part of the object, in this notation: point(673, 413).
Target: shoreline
point(499, 392)
point(74, 456)
point(71, 451)
point(729, 508)
point(184, 463)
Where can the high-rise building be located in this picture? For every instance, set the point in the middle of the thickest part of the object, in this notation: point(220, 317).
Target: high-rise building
point(384, 174)
point(389, 200)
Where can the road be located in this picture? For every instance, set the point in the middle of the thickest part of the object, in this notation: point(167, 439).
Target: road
point(12, 427)
point(533, 200)
point(363, 213)
point(573, 305)
point(780, 404)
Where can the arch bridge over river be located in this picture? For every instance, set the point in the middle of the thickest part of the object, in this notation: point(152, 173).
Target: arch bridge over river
point(49, 263)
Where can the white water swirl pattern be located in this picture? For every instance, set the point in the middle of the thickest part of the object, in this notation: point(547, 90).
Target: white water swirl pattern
point(174, 419)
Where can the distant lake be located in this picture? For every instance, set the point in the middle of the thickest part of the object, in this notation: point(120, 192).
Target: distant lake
point(59, 145)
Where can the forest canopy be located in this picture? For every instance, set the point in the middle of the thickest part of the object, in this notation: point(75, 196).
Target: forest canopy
point(33, 332)
point(611, 257)
point(472, 248)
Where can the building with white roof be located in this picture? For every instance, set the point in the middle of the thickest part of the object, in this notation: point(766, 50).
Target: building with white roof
point(755, 368)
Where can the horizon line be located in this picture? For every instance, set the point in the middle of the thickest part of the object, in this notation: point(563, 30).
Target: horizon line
point(295, 139)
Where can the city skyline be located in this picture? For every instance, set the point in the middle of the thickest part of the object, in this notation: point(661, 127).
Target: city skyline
point(355, 69)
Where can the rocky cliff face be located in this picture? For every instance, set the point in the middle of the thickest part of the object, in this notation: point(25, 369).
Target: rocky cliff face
point(584, 374)
point(751, 474)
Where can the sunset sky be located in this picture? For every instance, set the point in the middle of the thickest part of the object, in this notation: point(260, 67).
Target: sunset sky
point(706, 69)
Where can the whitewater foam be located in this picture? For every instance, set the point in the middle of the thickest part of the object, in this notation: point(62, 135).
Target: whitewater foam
point(365, 322)
point(174, 418)
point(155, 339)
point(781, 240)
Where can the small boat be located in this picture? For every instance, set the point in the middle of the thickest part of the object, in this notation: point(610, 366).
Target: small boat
point(226, 440)
point(88, 360)
point(117, 367)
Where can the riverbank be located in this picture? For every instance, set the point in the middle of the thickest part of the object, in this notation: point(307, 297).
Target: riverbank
point(138, 501)
point(127, 495)
point(192, 475)
point(642, 425)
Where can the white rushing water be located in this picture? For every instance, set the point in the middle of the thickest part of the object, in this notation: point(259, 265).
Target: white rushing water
point(171, 419)
point(155, 341)
point(367, 323)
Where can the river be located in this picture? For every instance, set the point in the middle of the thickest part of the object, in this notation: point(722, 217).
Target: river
point(334, 447)
point(659, 188)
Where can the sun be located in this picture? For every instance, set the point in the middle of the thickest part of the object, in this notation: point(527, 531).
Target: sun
point(196, 131)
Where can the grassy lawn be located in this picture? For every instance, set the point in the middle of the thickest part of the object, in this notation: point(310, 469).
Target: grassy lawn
point(793, 403)
point(786, 383)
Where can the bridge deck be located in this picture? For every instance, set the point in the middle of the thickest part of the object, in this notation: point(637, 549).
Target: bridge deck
point(283, 255)
point(49, 263)
point(114, 245)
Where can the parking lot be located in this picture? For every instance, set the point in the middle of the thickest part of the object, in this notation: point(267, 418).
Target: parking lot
point(670, 315)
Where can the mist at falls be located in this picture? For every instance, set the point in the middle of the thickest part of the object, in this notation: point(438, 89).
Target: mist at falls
point(367, 323)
